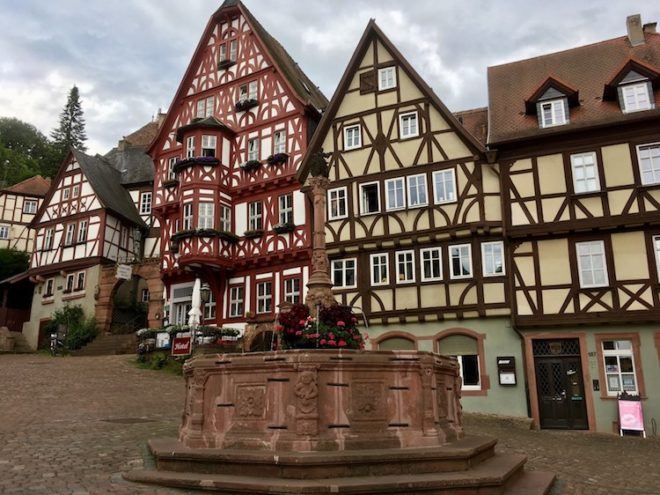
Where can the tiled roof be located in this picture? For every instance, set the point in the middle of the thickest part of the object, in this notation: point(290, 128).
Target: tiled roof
point(144, 135)
point(34, 186)
point(587, 69)
point(134, 164)
point(475, 121)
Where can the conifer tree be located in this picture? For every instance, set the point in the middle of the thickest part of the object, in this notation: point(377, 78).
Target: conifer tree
point(71, 131)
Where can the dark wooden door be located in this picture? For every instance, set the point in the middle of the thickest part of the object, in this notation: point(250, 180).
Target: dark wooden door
point(560, 391)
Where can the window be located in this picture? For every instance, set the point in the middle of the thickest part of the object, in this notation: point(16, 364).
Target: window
point(233, 50)
point(209, 145)
point(205, 216)
point(4, 232)
point(223, 52)
point(444, 186)
point(75, 191)
point(619, 367)
point(431, 264)
point(123, 237)
point(50, 286)
point(253, 149)
point(82, 231)
point(181, 311)
point(80, 281)
point(201, 109)
point(187, 216)
point(408, 125)
point(649, 163)
point(553, 113)
point(145, 203)
point(417, 191)
point(379, 269)
point(352, 137)
point(369, 198)
point(30, 206)
point(252, 90)
point(396, 344)
point(70, 279)
point(225, 218)
point(292, 290)
point(170, 167)
point(255, 216)
point(48, 238)
point(386, 78)
point(209, 307)
point(585, 173)
point(635, 97)
point(395, 199)
point(460, 258)
point(492, 255)
point(65, 193)
point(209, 106)
point(465, 349)
point(264, 297)
point(279, 142)
point(70, 228)
point(337, 203)
point(405, 267)
point(591, 264)
point(235, 302)
point(343, 273)
point(190, 147)
point(145, 296)
point(286, 209)
point(656, 247)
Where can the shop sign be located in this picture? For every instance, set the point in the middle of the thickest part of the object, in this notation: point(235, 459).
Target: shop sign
point(181, 346)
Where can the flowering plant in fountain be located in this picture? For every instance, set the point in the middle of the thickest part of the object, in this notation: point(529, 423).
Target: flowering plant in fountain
point(335, 328)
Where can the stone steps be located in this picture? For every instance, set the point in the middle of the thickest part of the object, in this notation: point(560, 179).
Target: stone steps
point(104, 345)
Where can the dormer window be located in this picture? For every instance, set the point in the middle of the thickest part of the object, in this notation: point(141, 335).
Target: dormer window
point(632, 86)
point(553, 112)
point(551, 102)
point(636, 97)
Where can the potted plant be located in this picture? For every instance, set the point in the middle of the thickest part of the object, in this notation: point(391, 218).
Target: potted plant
point(277, 158)
point(251, 165)
point(282, 228)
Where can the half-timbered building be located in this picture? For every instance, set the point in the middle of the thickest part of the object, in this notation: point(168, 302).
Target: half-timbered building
point(225, 190)
point(577, 137)
point(18, 206)
point(414, 228)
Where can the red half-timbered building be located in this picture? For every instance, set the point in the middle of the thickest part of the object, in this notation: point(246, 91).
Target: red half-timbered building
point(225, 191)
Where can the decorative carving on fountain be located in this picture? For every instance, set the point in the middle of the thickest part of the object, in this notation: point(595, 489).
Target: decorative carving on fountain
point(250, 401)
point(307, 407)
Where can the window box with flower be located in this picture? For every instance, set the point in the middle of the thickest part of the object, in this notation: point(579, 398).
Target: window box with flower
point(210, 161)
point(283, 228)
point(225, 64)
point(251, 234)
point(250, 165)
point(277, 158)
point(246, 104)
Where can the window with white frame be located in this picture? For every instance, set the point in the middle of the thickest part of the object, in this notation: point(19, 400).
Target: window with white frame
point(209, 144)
point(82, 231)
point(65, 193)
point(253, 149)
point(201, 109)
point(243, 92)
point(225, 218)
point(170, 167)
point(431, 264)
point(236, 299)
point(352, 137)
point(619, 364)
point(70, 229)
point(466, 351)
point(145, 203)
point(337, 203)
point(123, 237)
point(591, 264)
point(75, 192)
point(635, 97)
point(48, 238)
point(279, 142)
point(205, 212)
point(386, 78)
point(656, 248)
point(70, 280)
point(379, 269)
point(50, 288)
point(553, 112)
point(369, 198)
point(190, 147)
point(417, 191)
point(209, 107)
point(233, 50)
point(264, 297)
point(649, 163)
point(585, 172)
point(209, 307)
point(255, 215)
point(80, 281)
point(253, 90)
point(292, 290)
point(286, 209)
point(492, 258)
point(180, 313)
point(30, 206)
point(444, 186)
point(343, 273)
point(460, 261)
point(395, 194)
point(144, 297)
point(405, 267)
point(187, 216)
point(4, 232)
point(408, 125)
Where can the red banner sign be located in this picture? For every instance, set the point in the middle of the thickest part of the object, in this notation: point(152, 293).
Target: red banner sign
point(181, 346)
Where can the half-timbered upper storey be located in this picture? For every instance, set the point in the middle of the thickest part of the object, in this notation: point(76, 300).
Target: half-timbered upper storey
point(18, 206)
point(414, 214)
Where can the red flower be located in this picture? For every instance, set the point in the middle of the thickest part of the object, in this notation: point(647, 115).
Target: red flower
point(279, 328)
point(301, 323)
point(341, 324)
point(322, 342)
point(299, 332)
point(341, 343)
point(332, 343)
point(331, 336)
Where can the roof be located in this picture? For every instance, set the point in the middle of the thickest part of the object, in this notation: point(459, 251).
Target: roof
point(207, 123)
point(106, 182)
point(475, 121)
point(133, 163)
point(144, 135)
point(34, 186)
point(373, 31)
point(587, 69)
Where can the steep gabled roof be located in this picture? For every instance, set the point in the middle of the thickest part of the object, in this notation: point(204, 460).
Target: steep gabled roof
point(373, 31)
point(133, 163)
point(34, 186)
point(475, 122)
point(144, 136)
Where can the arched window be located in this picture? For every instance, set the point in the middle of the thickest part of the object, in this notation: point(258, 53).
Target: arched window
point(396, 344)
point(466, 350)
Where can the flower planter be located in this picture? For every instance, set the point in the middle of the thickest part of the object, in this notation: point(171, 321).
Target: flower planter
point(245, 105)
point(196, 160)
point(225, 64)
point(251, 234)
point(277, 159)
point(284, 228)
point(251, 165)
point(170, 183)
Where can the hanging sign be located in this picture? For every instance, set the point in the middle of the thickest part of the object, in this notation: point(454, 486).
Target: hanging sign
point(181, 346)
point(124, 272)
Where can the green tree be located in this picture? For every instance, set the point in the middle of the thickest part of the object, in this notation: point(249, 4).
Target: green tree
point(71, 131)
point(12, 262)
point(24, 152)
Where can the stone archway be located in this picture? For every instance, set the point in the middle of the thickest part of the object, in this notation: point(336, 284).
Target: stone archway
point(148, 270)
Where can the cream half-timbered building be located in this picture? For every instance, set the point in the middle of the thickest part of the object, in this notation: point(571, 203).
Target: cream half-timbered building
point(578, 140)
point(414, 227)
point(225, 191)
point(18, 206)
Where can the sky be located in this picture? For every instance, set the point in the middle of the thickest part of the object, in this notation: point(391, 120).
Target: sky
point(127, 56)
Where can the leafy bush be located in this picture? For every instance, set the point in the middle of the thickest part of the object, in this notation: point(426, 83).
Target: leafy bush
point(79, 329)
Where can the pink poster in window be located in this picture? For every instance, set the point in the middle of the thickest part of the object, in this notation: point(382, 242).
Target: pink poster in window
point(630, 415)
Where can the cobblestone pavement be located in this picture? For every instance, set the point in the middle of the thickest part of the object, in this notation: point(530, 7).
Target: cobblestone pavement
point(72, 425)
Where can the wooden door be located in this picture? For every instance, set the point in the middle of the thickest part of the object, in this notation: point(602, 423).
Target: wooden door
point(560, 390)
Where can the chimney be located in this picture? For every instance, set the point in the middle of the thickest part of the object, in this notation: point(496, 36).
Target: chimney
point(650, 27)
point(635, 30)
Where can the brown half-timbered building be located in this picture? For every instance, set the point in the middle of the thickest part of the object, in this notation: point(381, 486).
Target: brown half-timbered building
point(414, 230)
point(225, 191)
point(577, 138)
point(18, 206)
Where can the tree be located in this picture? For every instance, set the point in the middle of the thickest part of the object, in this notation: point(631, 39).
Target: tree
point(71, 131)
point(12, 262)
point(24, 152)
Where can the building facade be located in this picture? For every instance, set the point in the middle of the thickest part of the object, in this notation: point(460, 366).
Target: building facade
point(18, 206)
point(225, 191)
